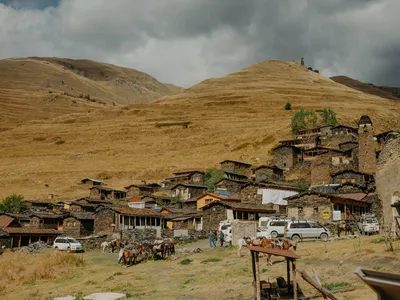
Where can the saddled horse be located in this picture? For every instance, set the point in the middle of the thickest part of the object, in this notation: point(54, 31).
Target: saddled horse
point(159, 247)
point(116, 245)
point(283, 244)
point(344, 226)
point(131, 254)
point(169, 247)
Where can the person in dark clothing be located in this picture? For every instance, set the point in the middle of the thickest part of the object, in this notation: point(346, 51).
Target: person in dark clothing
point(212, 238)
point(221, 238)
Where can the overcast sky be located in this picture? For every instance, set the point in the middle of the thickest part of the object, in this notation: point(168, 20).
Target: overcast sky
point(186, 41)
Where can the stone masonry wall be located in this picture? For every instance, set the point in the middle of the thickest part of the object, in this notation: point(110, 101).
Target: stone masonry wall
point(388, 180)
point(212, 216)
point(349, 177)
point(321, 170)
point(103, 221)
point(283, 158)
point(139, 235)
point(366, 150)
point(71, 227)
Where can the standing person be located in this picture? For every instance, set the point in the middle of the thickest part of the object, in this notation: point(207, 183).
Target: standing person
point(221, 238)
point(212, 239)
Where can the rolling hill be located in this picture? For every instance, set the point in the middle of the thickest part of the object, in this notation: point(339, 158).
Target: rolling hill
point(42, 88)
point(389, 92)
point(240, 116)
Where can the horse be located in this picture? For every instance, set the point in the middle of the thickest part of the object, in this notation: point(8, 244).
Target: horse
point(129, 255)
point(170, 246)
point(116, 245)
point(344, 226)
point(284, 245)
point(243, 243)
point(159, 247)
point(105, 245)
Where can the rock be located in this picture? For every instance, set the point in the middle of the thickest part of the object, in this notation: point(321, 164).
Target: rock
point(65, 298)
point(106, 296)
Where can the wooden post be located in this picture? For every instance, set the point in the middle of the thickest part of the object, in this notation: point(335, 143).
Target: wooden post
point(288, 273)
point(19, 242)
point(294, 279)
point(258, 277)
point(30, 238)
point(253, 269)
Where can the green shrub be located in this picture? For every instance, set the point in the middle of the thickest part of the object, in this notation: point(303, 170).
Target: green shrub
point(186, 261)
point(329, 117)
point(336, 286)
point(211, 177)
point(288, 106)
point(303, 119)
point(13, 204)
point(211, 260)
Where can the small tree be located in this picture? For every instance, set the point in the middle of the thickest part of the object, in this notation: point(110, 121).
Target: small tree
point(329, 117)
point(303, 119)
point(288, 106)
point(212, 176)
point(13, 204)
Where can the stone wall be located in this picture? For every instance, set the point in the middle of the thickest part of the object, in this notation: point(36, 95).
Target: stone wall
point(197, 179)
point(321, 170)
point(212, 216)
point(249, 195)
point(351, 177)
point(267, 174)
point(284, 158)
point(388, 180)
point(366, 150)
point(309, 207)
point(334, 140)
point(139, 235)
point(103, 221)
point(243, 229)
point(231, 186)
point(71, 227)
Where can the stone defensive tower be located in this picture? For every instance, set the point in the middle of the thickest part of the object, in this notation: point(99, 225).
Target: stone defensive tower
point(366, 146)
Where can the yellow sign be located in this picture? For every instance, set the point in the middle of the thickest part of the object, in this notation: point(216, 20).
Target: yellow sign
point(325, 214)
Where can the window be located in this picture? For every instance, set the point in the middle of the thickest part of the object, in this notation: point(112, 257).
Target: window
point(315, 210)
point(353, 180)
point(74, 224)
point(300, 210)
point(343, 180)
point(300, 225)
point(315, 225)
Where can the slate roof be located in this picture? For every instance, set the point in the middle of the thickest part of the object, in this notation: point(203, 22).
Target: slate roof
point(353, 196)
point(4, 233)
point(235, 162)
point(31, 230)
point(82, 215)
point(364, 120)
point(194, 186)
point(239, 206)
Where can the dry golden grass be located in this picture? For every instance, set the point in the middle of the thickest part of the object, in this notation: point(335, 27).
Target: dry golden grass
point(240, 116)
point(34, 88)
point(225, 276)
point(22, 269)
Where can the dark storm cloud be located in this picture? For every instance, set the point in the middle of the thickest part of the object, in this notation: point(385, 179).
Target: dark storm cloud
point(31, 4)
point(186, 41)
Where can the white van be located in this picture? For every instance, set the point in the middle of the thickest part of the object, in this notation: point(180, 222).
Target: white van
point(299, 230)
point(368, 224)
point(67, 243)
point(276, 228)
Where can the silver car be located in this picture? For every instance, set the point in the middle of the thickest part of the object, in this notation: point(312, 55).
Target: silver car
point(299, 230)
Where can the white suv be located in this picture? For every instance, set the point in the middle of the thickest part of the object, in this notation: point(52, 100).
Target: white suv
point(67, 243)
point(299, 230)
point(275, 228)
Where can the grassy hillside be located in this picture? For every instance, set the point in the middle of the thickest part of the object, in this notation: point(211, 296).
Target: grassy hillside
point(240, 116)
point(389, 92)
point(41, 88)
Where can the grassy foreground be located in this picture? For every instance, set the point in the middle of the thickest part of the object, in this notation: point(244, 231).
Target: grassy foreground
point(213, 274)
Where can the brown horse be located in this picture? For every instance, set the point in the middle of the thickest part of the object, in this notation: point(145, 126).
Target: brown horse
point(130, 255)
point(270, 243)
point(344, 226)
point(116, 245)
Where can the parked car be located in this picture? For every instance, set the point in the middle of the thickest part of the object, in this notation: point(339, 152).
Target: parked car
point(263, 233)
point(368, 224)
point(299, 230)
point(68, 244)
point(275, 228)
